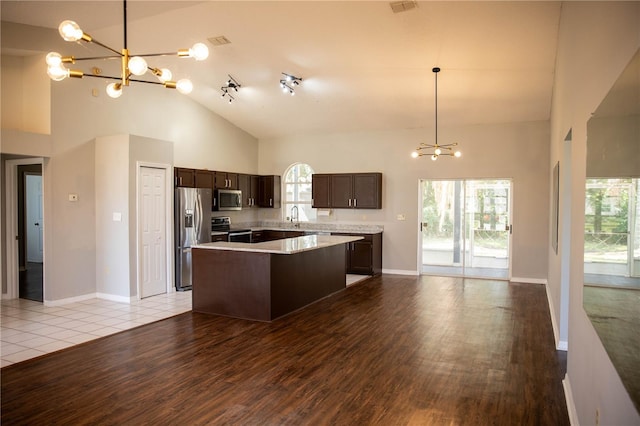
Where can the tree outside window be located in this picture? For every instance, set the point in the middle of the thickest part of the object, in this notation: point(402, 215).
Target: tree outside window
point(297, 192)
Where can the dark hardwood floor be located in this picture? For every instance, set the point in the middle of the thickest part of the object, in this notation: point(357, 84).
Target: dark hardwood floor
point(392, 350)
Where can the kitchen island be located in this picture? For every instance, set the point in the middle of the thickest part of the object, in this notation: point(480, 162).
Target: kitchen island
point(264, 281)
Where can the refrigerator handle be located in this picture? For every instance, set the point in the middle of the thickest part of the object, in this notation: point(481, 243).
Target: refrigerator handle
point(198, 218)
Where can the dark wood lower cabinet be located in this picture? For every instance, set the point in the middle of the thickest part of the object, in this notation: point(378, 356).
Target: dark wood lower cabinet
point(264, 286)
point(364, 257)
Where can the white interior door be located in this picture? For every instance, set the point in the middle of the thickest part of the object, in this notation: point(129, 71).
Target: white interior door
point(34, 224)
point(153, 247)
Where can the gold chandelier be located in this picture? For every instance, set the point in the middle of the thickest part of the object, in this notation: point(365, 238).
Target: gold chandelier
point(438, 150)
point(130, 65)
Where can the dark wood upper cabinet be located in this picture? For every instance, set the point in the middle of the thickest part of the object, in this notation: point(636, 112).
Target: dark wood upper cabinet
point(248, 184)
point(347, 190)
point(320, 191)
point(204, 179)
point(269, 191)
point(225, 180)
point(367, 191)
point(341, 191)
point(185, 177)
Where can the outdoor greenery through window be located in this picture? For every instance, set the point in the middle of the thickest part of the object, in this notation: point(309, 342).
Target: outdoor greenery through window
point(612, 231)
point(297, 190)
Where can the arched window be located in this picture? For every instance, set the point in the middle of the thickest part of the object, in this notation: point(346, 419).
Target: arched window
point(297, 192)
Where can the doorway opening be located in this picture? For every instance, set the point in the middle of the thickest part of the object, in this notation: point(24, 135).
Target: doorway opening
point(465, 228)
point(25, 257)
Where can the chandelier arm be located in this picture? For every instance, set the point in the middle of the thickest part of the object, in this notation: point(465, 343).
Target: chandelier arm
point(106, 47)
point(93, 58)
point(120, 78)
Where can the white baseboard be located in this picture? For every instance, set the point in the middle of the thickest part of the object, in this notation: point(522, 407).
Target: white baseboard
point(399, 272)
point(115, 298)
point(528, 280)
point(68, 300)
point(571, 406)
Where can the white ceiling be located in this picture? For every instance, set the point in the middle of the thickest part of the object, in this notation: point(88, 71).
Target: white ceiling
point(364, 67)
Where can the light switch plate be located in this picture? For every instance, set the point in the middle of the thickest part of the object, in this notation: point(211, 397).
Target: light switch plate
point(117, 216)
point(401, 217)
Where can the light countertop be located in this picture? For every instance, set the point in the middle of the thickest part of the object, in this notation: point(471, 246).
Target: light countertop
point(282, 246)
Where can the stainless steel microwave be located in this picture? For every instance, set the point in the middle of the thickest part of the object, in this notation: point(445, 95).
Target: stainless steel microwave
point(228, 199)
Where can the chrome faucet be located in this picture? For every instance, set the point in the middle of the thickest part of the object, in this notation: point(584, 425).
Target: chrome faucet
point(296, 217)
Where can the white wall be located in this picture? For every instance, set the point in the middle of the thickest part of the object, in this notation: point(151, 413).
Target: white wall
point(516, 151)
point(112, 196)
point(596, 42)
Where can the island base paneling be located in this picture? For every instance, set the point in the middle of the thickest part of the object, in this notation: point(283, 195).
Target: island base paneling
point(264, 286)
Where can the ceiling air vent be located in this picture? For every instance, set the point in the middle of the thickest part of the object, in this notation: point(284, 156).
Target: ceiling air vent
point(218, 41)
point(402, 6)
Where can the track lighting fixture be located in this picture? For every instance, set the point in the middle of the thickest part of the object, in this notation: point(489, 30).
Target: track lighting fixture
point(132, 65)
point(288, 82)
point(229, 86)
point(438, 150)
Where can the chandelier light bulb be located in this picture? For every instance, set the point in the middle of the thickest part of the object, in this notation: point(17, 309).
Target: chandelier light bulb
point(70, 31)
point(199, 51)
point(114, 90)
point(54, 59)
point(165, 75)
point(434, 157)
point(415, 154)
point(184, 86)
point(57, 73)
point(438, 151)
point(457, 154)
point(137, 65)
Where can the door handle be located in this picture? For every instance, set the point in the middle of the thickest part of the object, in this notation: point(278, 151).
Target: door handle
point(36, 224)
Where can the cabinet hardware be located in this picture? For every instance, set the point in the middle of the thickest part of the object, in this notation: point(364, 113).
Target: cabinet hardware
point(349, 202)
point(355, 202)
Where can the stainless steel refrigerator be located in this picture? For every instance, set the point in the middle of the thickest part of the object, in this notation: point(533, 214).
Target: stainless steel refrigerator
point(192, 226)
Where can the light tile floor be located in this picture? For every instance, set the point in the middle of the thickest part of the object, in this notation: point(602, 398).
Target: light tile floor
point(29, 329)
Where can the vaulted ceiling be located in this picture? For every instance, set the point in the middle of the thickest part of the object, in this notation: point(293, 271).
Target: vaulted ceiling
point(363, 66)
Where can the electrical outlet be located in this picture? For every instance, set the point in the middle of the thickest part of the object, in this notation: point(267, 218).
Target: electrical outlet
point(401, 217)
point(73, 197)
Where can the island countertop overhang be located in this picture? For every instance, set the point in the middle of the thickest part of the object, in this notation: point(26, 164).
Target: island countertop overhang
point(283, 246)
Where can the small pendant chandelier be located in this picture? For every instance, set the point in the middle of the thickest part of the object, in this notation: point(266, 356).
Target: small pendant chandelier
point(438, 150)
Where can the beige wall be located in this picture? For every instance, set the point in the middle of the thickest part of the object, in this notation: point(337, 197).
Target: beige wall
point(596, 42)
point(513, 151)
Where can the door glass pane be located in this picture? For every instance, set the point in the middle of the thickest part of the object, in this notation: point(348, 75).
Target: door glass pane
point(442, 230)
point(487, 203)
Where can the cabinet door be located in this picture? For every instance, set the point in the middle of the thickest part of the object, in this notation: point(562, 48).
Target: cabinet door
point(367, 191)
point(320, 191)
point(204, 179)
point(185, 177)
point(244, 185)
point(360, 257)
point(254, 188)
point(220, 180)
point(232, 180)
point(269, 192)
point(341, 191)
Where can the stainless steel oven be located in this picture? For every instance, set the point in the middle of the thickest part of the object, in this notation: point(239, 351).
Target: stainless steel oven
point(240, 236)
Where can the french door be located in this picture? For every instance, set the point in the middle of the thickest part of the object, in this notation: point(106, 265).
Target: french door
point(465, 228)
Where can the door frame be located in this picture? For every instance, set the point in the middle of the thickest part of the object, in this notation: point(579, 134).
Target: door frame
point(11, 215)
point(464, 180)
point(168, 168)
